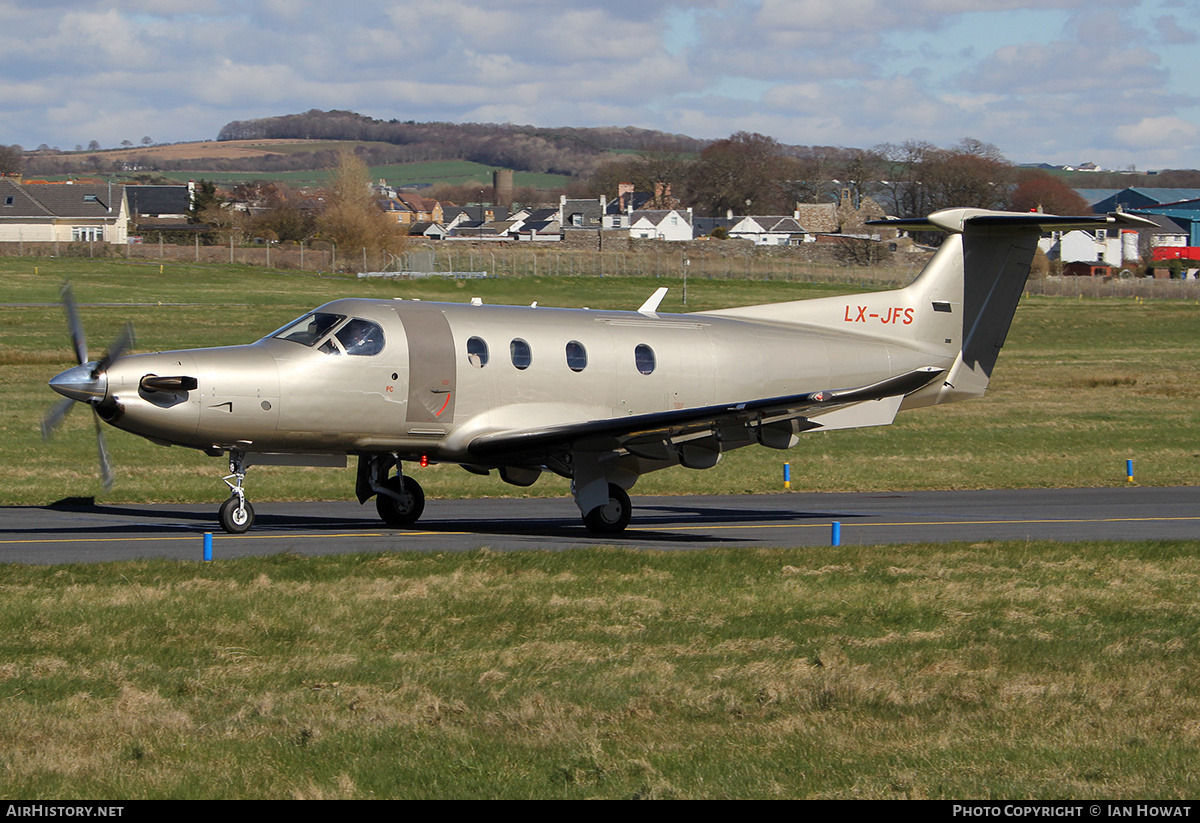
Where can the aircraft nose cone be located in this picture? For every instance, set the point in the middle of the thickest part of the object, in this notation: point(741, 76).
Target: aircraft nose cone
point(81, 383)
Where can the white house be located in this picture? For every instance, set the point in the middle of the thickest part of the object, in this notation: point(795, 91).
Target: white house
point(63, 213)
point(1108, 246)
point(769, 230)
point(660, 224)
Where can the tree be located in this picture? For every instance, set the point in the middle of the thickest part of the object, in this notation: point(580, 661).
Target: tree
point(1038, 189)
point(94, 145)
point(203, 199)
point(352, 219)
point(923, 178)
point(279, 213)
point(744, 173)
point(10, 159)
point(146, 141)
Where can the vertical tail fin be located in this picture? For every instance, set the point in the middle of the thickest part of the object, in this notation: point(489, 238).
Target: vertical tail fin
point(982, 267)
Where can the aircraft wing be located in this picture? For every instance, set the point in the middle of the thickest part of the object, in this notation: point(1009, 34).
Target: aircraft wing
point(629, 432)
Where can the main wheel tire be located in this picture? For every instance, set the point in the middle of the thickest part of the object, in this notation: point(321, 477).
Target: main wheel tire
point(613, 517)
point(236, 519)
point(403, 511)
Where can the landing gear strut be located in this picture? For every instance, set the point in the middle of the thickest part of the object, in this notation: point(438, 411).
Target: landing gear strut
point(236, 514)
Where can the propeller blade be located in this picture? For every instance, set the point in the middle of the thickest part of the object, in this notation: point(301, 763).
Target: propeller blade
point(106, 468)
point(54, 417)
point(78, 338)
point(124, 340)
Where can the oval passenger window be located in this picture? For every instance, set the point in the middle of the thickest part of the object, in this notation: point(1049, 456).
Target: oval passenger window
point(643, 358)
point(477, 352)
point(576, 356)
point(521, 355)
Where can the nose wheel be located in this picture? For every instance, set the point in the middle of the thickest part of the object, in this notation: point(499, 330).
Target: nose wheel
point(236, 515)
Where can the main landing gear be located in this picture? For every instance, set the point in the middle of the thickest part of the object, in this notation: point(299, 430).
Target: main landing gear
point(398, 498)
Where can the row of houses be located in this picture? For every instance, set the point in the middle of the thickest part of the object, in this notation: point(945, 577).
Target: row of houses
point(114, 213)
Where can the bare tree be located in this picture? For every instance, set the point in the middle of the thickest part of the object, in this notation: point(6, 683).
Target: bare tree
point(352, 218)
point(922, 178)
point(10, 159)
point(745, 173)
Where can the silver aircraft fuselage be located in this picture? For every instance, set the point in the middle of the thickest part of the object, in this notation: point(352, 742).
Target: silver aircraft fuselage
point(429, 390)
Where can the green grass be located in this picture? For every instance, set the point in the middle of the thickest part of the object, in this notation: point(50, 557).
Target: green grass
point(995, 670)
point(1081, 386)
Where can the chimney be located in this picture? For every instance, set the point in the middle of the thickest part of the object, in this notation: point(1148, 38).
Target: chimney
point(622, 190)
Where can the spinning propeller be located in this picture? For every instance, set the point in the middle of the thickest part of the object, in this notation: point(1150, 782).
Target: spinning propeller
point(87, 382)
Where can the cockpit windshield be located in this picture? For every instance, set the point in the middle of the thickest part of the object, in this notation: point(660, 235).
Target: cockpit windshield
point(353, 336)
point(310, 328)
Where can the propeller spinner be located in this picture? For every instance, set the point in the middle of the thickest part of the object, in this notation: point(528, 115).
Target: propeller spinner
point(86, 382)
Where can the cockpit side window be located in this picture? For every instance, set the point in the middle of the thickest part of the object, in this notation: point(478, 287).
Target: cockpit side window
point(361, 337)
point(310, 328)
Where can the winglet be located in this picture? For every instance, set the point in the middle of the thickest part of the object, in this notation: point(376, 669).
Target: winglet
point(651, 304)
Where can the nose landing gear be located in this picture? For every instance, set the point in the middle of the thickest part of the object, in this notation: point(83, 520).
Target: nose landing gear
point(236, 514)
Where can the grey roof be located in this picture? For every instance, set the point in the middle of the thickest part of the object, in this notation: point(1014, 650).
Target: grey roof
point(1165, 224)
point(637, 199)
point(702, 226)
point(780, 225)
point(152, 200)
point(1138, 198)
point(589, 210)
point(47, 201)
point(656, 216)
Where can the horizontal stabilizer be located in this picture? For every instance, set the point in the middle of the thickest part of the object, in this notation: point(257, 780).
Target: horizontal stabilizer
point(960, 220)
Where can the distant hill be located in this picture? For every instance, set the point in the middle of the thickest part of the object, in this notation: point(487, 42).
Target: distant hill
point(568, 151)
point(301, 146)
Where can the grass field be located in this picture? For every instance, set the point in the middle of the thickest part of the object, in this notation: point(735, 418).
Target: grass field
point(991, 670)
point(1030, 670)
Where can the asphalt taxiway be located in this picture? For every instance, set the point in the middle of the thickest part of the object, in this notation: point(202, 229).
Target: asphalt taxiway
point(80, 531)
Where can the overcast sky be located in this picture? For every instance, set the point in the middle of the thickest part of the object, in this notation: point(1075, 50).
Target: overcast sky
point(1062, 81)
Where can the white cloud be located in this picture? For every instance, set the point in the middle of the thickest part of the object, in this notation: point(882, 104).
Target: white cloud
point(1076, 77)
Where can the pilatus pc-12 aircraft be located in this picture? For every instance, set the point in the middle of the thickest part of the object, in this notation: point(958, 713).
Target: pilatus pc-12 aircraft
point(600, 397)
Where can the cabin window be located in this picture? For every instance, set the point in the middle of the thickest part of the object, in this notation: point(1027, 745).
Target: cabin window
point(521, 354)
point(477, 352)
point(576, 356)
point(643, 358)
point(361, 337)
